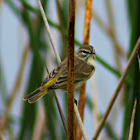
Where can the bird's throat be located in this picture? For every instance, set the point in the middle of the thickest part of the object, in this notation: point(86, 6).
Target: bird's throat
point(91, 61)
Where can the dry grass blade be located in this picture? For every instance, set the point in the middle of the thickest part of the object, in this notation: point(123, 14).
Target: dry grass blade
point(1, 138)
point(40, 123)
point(81, 107)
point(49, 31)
point(16, 87)
point(108, 30)
point(61, 113)
point(88, 14)
point(113, 35)
point(80, 124)
point(64, 42)
point(95, 104)
point(82, 95)
point(131, 59)
point(1, 2)
point(101, 24)
point(132, 121)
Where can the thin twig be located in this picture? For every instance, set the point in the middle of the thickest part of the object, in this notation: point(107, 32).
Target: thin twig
point(131, 59)
point(58, 59)
point(59, 62)
point(49, 31)
point(80, 124)
point(61, 113)
point(59, 107)
point(132, 121)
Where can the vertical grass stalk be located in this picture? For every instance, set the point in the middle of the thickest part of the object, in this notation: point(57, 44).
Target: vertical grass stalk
point(82, 96)
point(112, 101)
point(70, 85)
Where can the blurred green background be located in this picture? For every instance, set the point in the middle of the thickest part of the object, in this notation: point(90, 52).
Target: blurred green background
point(25, 50)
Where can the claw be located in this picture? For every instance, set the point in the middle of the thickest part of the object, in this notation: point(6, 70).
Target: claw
point(75, 101)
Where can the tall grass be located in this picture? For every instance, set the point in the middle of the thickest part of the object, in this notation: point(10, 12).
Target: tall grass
point(53, 129)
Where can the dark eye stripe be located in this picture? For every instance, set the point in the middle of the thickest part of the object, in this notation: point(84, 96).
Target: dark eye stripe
point(84, 51)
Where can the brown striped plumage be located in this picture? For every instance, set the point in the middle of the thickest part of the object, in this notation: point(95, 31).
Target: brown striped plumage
point(84, 68)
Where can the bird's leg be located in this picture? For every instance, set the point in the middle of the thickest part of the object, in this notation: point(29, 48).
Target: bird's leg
point(75, 101)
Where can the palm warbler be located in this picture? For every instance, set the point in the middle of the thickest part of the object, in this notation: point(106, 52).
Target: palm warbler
point(84, 68)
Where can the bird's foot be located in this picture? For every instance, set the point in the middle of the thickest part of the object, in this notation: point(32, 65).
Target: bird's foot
point(75, 101)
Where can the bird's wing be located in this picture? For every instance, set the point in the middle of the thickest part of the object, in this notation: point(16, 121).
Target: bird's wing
point(82, 71)
point(56, 72)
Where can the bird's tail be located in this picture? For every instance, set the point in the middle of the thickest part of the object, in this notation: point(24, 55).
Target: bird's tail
point(35, 95)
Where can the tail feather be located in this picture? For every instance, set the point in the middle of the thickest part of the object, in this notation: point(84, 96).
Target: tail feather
point(35, 95)
point(32, 94)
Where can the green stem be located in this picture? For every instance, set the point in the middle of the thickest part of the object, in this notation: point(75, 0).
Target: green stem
point(3, 85)
point(35, 78)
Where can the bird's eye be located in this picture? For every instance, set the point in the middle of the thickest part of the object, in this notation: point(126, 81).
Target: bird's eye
point(84, 52)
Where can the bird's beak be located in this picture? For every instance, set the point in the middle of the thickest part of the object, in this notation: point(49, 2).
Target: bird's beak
point(93, 53)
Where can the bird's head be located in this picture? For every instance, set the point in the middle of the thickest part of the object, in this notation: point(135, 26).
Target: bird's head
point(87, 54)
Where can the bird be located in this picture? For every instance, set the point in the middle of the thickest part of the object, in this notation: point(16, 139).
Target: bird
point(84, 67)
